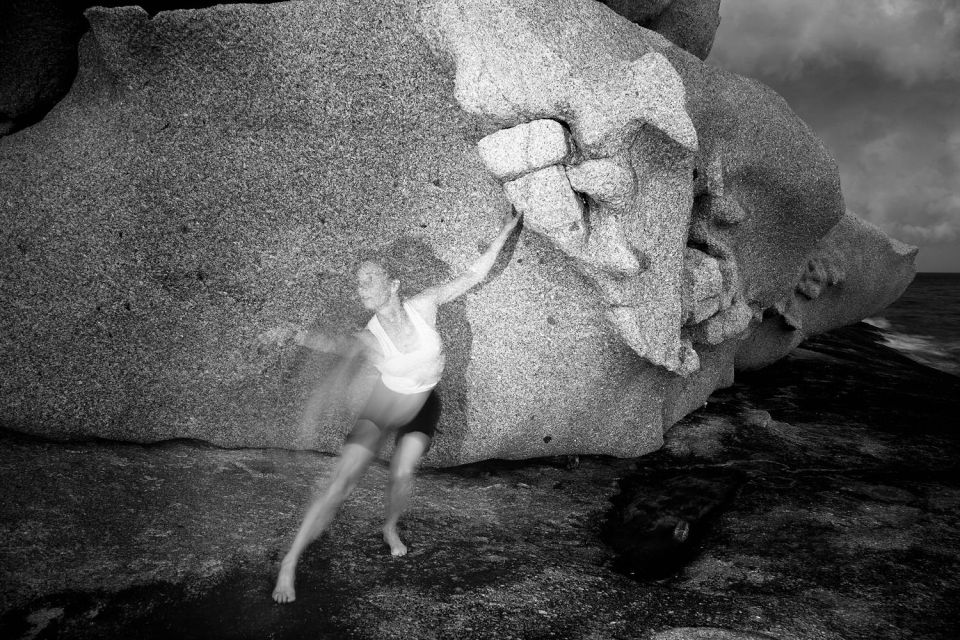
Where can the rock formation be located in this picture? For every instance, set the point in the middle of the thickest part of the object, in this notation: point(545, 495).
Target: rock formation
point(214, 176)
point(854, 271)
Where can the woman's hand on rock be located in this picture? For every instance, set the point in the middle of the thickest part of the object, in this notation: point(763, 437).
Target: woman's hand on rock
point(510, 220)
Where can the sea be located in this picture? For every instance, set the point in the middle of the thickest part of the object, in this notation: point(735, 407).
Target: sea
point(924, 323)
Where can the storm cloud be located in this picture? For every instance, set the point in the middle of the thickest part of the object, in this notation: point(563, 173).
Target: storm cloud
point(879, 81)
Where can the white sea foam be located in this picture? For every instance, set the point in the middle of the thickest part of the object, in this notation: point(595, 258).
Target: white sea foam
point(923, 349)
point(879, 322)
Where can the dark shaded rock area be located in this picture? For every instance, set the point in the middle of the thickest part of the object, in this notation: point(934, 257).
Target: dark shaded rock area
point(689, 24)
point(38, 43)
point(820, 500)
point(38, 46)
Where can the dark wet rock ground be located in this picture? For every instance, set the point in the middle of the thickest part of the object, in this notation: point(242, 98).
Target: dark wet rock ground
point(815, 499)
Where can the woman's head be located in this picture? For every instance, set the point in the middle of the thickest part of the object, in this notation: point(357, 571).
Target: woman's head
point(375, 284)
point(409, 261)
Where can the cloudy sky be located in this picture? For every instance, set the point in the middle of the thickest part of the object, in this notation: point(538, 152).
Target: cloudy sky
point(879, 81)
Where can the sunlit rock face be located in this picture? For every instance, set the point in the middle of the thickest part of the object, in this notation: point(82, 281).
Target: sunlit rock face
point(214, 177)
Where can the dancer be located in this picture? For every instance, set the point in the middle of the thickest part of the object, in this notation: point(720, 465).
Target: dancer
point(402, 342)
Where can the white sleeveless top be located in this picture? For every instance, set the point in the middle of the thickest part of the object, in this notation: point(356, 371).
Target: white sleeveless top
point(416, 371)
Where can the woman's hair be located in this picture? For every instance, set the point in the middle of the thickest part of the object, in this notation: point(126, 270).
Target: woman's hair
point(384, 262)
point(409, 260)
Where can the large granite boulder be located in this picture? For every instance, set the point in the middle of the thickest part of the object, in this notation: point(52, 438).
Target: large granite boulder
point(213, 178)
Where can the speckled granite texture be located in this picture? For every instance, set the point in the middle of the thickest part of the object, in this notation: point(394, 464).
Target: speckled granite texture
point(214, 176)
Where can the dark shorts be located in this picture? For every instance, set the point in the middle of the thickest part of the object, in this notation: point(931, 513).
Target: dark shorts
point(388, 412)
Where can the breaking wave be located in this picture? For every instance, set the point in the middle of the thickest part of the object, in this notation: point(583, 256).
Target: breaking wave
point(920, 348)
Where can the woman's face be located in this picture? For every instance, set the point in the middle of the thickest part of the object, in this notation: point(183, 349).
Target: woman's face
point(374, 287)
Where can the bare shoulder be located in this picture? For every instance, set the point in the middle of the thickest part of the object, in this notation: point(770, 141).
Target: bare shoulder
point(425, 303)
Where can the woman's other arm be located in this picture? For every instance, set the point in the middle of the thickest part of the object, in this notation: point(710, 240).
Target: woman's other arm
point(361, 344)
point(322, 342)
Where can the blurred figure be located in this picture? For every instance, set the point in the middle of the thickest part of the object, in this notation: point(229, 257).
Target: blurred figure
point(402, 342)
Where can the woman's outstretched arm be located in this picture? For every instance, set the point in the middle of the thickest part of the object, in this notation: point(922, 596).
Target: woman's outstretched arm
point(479, 270)
point(358, 345)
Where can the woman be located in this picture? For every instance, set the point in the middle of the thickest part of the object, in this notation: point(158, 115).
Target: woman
point(402, 342)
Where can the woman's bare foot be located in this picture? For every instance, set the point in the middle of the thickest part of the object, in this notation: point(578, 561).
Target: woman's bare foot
point(390, 536)
point(284, 592)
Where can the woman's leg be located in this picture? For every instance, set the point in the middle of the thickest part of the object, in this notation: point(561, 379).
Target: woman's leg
point(405, 459)
point(353, 461)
